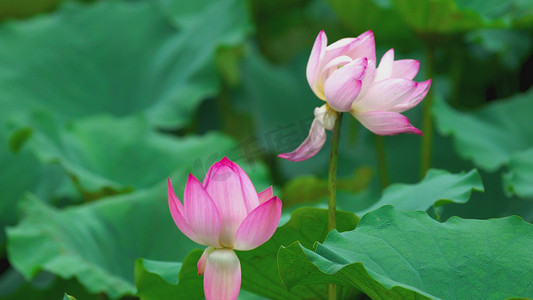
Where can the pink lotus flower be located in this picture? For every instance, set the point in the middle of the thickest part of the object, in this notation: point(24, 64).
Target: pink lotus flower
point(224, 213)
point(344, 74)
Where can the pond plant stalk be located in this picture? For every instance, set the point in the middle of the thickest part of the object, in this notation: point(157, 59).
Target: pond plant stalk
point(332, 189)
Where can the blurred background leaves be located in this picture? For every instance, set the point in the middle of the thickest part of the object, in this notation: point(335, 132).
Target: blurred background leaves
point(101, 101)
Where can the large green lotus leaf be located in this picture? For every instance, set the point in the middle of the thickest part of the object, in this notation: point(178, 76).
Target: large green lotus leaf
point(519, 179)
point(22, 172)
point(437, 188)
point(98, 243)
point(118, 57)
point(396, 254)
point(105, 155)
point(260, 273)
point(489, 136)
point(159, 280)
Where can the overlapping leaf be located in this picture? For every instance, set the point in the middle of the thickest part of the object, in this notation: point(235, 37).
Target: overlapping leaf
point(519, 179)
point(489, 136)
point(22, 172)
point(493, 135)
point(437, 188)
point(259, 268)
point(159, 280)
point(105, 155)
point(118, 57)
point(396, 254)
point(97, 243)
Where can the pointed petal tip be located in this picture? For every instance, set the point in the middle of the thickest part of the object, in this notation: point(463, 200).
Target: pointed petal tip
point(416, 131)
point(250, 236)
point(265, 195)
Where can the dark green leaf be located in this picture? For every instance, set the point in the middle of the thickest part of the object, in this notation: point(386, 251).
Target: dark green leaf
point(407, 255)
point(489, 136)
point(158, 280)
point(99, 242)
point(437, 188)
point(260, 273)
point(519, 179)
point(104, 155)
point(118, 57)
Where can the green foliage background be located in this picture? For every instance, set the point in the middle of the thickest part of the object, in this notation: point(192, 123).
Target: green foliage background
point(101, 101)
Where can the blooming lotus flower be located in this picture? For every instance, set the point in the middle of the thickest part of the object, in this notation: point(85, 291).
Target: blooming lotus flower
point(345, 76)
point(224, 213)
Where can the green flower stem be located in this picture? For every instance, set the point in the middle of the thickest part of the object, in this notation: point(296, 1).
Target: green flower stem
point(332, 175)
point(332, 189)
point(382, 162)
point(427, 118)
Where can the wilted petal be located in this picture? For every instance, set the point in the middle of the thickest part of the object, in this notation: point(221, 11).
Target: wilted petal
point(202, 214)
point(203, 260)
point(259, 225)
point(265, 195)
point(365, 47)
point(343, 85)
point(317, 53)
point(385, 94)
point(405, 68)
point(233, 194)
point(310, 146)
point(177, 211)
point(386, 122)
point(414, 98)
point(385, 67)
point(222, 275)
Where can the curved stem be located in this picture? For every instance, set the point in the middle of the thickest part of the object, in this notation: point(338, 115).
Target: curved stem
point(332, 189)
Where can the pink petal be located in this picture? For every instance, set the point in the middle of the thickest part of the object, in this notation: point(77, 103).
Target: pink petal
point(405, 68)
point(385, 94)
point(326, 71)
point(340, 48)
point(414, 98)
point(384, 71)
point(265, 195)
point(368, 78)
point(202, 212)
point(310, 146)
point(203, 260)
point(343, 85)
point(365, 47)
point(386, 122)
point(222, 275)
point(317, 53)
point(234, 196)
point(259, 225)
point(180, 218)
point(222, 170)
